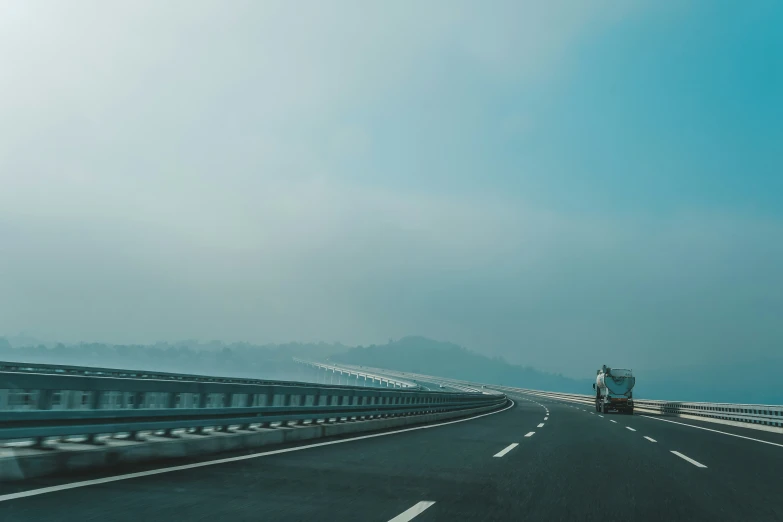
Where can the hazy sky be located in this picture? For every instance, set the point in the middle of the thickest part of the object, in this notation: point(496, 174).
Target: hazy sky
point(565, 184)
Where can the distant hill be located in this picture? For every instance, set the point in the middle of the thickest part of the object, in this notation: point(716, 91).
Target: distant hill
point(422, 355)
point(756, 382)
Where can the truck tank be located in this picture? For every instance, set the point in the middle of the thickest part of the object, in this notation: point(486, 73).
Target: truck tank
point(614, 389)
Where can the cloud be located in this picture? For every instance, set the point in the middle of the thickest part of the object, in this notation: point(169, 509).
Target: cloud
point(276, 171)
point(166, 76)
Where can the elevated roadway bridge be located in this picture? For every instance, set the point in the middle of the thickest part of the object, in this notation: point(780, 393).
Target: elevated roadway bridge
point(518, 455)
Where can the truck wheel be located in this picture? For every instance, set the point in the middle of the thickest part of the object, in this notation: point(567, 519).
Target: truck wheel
point(603, 408)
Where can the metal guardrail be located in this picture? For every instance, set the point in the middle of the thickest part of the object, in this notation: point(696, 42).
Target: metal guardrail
point(90, 402)
point(759, 414)
point(748, 413)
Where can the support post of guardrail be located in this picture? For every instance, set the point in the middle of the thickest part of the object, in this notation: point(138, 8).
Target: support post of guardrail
point(228, 402)
point(302, 401)
point(95, 404)
point(316, 402)
point(202, 404)
point(170, 403)
point(341, 402)
point(287, 399)
point(137, 399)
point(269, 398)
point(44, 402)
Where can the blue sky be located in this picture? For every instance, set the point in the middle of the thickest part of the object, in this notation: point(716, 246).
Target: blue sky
point(672, 109)
point(553, 182)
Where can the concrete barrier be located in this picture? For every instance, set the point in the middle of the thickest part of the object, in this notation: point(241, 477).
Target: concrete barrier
point(25, 463)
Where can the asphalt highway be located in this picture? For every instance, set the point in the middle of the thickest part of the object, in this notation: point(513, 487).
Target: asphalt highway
point(537, 460)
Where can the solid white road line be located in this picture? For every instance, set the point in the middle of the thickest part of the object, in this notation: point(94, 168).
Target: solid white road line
point(127, 476)
point(697, 464)
point(610, 420)
point(714, 431)
point(541, 425)
point(629, 428)
point(506, 449)
point(530, 434)
point(651, 440)
point(412, 512)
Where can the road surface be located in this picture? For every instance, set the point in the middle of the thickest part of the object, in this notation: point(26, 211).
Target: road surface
point(538, 460)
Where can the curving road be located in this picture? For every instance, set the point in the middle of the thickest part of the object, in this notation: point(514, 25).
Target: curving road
point(537, 460)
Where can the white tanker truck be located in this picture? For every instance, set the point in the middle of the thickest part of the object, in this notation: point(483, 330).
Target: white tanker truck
point(613, 390)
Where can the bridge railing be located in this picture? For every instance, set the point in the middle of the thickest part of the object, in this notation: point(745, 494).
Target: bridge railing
point(91, 402)
point(389, 379)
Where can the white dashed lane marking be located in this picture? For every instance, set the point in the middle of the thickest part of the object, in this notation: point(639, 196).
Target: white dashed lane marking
point(695, 463)
point(506, 450)
point(412, 512)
